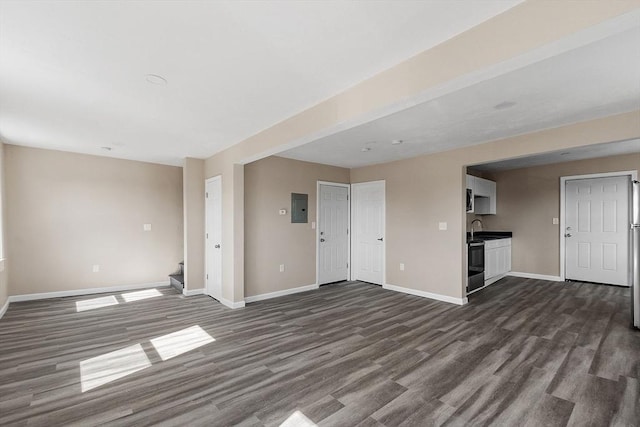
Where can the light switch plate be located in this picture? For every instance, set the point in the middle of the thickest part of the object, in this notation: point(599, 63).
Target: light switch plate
point(442, 226)
point(146, 227)
point(281, 268)
point(313, 225)
point(556, 221)
point(401, 267)
point(96, 268)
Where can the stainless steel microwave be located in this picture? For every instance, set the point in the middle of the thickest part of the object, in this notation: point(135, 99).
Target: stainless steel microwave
point(469, 200)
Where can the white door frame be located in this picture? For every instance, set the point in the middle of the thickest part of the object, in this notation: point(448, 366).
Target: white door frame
point(384, 228)
point(206, 230)
point(335, 184)
point(563, 180)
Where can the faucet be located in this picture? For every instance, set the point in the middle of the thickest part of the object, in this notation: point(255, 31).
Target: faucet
point(472, 222)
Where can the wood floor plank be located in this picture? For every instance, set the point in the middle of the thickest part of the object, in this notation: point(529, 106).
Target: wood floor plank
point(522, 352)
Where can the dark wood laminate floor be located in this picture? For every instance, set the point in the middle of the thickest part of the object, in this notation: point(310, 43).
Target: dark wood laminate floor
point(523, 352)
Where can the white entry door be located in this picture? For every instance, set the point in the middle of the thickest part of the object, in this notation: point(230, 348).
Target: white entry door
point(333, 234)
point(368, 209)
point(213, 237)
point(597, 230)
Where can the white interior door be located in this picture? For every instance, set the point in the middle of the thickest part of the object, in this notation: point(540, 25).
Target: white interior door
point(597, 230)
point(368, 210)
point(333, 234)
point(213, 237)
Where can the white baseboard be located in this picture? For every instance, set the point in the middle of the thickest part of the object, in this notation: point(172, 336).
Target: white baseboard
point(494, 280)
point(223, 301)
point(4, 308)
point(90, 291)
point(231, 304)
point(535, 276)
point(445, 298)
point(281, 293)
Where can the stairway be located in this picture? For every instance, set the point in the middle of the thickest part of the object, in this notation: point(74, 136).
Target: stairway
point(177, 279)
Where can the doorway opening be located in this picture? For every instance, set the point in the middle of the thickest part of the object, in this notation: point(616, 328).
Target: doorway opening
point(213, 237)
point(332, 232)
point(350, 232)
point(367, 239)
point(595, 238)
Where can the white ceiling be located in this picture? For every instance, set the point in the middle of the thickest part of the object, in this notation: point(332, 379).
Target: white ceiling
point(598, 79)
point(580, 153)
point(72, 74)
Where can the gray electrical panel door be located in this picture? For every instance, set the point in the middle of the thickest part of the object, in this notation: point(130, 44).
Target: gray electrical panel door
point(299, 207)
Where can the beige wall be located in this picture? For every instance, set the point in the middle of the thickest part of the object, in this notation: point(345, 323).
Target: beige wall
point(271, 239)
point(4, 271)
point(193, 193)
point(426, 190)
point(528, 200)
point(67, 212)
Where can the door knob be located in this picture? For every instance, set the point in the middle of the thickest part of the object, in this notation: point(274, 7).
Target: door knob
point(322, 240)
point(380, 239)
point(217, 246)
point(567, 235)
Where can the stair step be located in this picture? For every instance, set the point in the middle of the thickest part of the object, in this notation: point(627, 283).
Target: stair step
point(178, 276)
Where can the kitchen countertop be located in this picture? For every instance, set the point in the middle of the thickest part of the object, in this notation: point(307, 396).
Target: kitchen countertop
point(481, 236)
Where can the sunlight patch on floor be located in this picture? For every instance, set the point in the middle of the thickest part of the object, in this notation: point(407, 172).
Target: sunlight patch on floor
point(140, 295)
point(109, 367)
point(298, 419)
point(91, 304)
point(176, 343)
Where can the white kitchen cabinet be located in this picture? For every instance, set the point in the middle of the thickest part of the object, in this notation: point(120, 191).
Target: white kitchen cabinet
point(481, 187)
point(497, 260)
point(484, 195)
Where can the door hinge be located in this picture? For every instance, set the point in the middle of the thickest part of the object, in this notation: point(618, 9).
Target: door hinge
point(207, 235)
point(206, 194)
point(347, 265)
point(207, 276)
point(347, 231)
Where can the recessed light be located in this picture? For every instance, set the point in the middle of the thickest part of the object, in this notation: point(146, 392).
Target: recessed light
point(565, 153)
point(365, 149)
point(106, 148)
point(504, 105)
point(397, 142)
point(155, 79)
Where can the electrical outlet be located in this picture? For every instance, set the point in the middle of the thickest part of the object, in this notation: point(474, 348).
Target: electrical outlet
point(96, 268)
point(146, 227)
point(442, 226)
point(281, 268)
point(556, 221)
point(401, 266)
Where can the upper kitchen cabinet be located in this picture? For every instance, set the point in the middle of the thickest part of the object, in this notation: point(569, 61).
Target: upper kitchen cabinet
point(481, 196)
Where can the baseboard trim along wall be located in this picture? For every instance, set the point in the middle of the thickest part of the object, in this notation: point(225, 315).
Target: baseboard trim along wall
point(78, 292)
point(282, 293)
point(438, 297)
point(4, 308)
point(535, 276)
point(231, 304)
point(223, 301)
